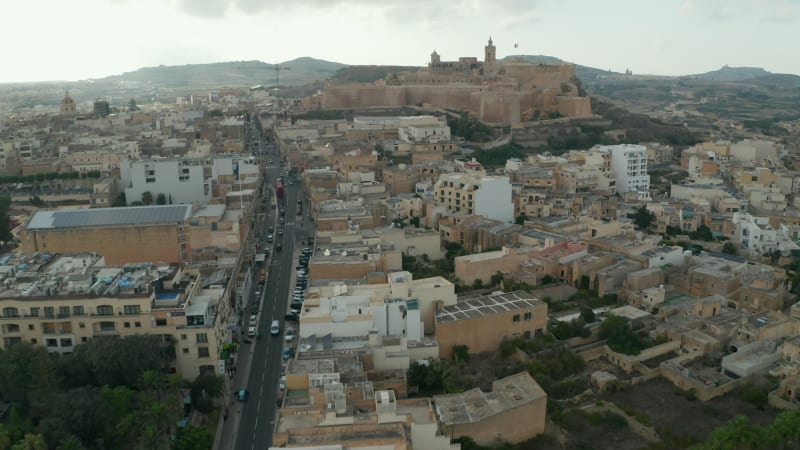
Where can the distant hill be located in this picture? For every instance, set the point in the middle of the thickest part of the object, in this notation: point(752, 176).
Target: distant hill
point(585, 73)
point(727, 73)
point(236, 73)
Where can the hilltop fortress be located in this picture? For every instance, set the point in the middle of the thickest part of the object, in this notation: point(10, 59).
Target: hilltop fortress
point(496, 92)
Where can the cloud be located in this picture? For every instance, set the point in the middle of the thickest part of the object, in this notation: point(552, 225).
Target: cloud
point(399, 10)
point(205, 8)
point(761, 10)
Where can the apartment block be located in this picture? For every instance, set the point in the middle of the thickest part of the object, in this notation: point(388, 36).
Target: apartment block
point(629, 165)
point(470, 193)
point(60, 301)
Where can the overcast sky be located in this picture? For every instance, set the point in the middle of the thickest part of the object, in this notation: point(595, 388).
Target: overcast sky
point(78, 39)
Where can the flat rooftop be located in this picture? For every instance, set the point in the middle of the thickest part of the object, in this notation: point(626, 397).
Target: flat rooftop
point(109, 217)
point(472, 307)
point(475, 405)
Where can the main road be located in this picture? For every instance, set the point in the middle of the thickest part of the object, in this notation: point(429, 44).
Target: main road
point(258, 412)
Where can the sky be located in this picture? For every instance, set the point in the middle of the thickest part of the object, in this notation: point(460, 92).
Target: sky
point(47, 40)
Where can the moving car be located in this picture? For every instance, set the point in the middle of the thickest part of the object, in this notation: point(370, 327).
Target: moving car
point(243, 394)
point(278, 247)
point(275, 328)
point(253, 319)
point(251, 331)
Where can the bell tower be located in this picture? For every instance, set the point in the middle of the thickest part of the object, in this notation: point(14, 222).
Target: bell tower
point(489, 59)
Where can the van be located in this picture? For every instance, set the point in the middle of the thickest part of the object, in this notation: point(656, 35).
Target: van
point(275, 328)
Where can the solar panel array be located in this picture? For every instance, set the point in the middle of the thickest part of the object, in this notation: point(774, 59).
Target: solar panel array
point(109, 217)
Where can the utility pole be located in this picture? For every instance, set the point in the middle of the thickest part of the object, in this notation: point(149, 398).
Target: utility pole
point(278, 69)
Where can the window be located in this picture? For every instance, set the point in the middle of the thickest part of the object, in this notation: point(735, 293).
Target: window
point(185, 351)
point(132, 309)
point(137, 324)
point(84, 339)
point(127, 324)
point(66, 342)
point(51, 343)
point(515, 318)
point(202, 352)
point(81, 325)
point(35, 312)
point(31, 326)
point(78, 311)
point(105, 310)
point(49, 312)
point(161, 322)
point(528, 315)
point(63, 311)
point(10, 312)
point(539, 332)
point(202, 337)
point(33, 341)
point(183, 337)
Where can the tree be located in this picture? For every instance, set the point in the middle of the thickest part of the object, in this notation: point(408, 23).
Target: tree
point(161, 199)
point(120, 200)
point(31, 442)
point(5, 221)
point(461, 354)
point(703, 233)
point(587, 314)
point(147, 198)
point(643, 218)
point(520, 220)
point(620, 336)
point(132, 105)
point(729, 248)
point(194, 438)
point(414, 221)
point(70, 443)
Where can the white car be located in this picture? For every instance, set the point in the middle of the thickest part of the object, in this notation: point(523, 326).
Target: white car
point(289, 335)
point(253, 319)
point(282, 385)
point(251, 331)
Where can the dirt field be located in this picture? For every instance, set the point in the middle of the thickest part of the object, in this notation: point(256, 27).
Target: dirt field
point(670, 411)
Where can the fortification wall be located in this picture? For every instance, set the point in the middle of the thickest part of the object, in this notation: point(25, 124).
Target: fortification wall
point(364, 95)
point(575, 106)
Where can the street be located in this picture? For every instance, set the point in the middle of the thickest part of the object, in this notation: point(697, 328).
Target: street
point(251, 422)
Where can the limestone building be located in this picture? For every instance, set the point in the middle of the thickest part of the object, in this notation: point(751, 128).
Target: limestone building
point(61, 301)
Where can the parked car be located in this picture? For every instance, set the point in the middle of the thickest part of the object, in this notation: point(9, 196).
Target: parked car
point(292, 317)
point(288, 353)
point(278, 247)
point(289, 335)
point(296, 305)
point(251, 331)
point(243, 394)
point(282, 383)
point(253, 319)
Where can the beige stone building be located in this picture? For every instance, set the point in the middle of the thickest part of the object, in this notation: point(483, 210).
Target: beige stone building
point(482, 322)
point(514, 411)
point(62, 301)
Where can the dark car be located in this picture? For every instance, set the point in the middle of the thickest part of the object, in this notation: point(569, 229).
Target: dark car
point(288, 353)
point(296, 305)
point(244, 393)
point(271, 230)
point(292, 317)
point(278, 247)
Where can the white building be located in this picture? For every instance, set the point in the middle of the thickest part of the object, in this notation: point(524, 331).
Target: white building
point(433, 133)
point(473, 193)
point(629, 164)
point(182, 181)
point(756, 235)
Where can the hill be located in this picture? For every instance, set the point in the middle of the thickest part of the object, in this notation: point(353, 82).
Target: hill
point(236, 73)
point(727, 73)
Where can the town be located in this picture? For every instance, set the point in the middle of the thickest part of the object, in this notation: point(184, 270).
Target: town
point(382, 265)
